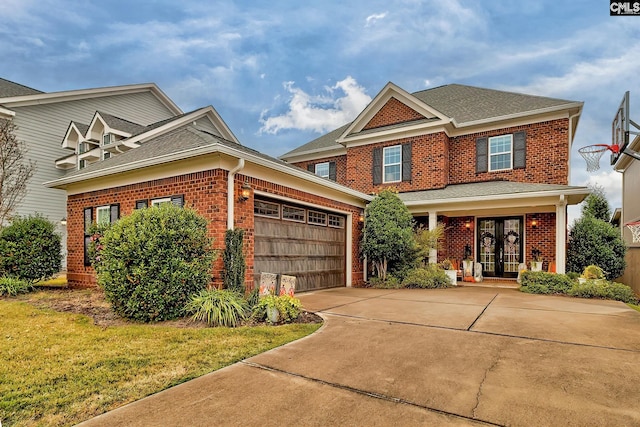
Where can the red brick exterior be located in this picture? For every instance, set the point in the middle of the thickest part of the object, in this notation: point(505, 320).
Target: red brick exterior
point(206, 192)
point(393, 112)
point(341, 166)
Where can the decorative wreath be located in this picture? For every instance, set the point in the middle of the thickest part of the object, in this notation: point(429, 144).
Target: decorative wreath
point(509, 240)
point(487, 239)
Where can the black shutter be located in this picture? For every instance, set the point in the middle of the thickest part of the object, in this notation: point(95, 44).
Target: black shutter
point(406, 161)
point(114, 213)
point(88, 219)
point(482, 155)
point(332, 171)
point(141, 204)
point(519, 150)
point(178, 200)
point(311, 168)
point(377, 166)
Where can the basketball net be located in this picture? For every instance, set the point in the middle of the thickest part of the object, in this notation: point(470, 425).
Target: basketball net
point(634, 227)
point(592, 155)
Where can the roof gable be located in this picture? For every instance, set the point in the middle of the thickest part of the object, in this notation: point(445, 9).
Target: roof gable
point(392, 113)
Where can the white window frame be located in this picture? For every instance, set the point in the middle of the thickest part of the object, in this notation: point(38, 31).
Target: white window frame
point(301, 210)
point(385, 164)
point(500, 153)
point(82, 163)
point(158, 202)
point(323, 165)
point(109, 136)
point(319, 218)
point(106, 209)
point(106, 155)
point(335, 221)
point(265, 203)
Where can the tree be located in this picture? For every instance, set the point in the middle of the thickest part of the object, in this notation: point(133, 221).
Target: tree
point(15, 170)
point(234, 265)
point(593, 241)
point(388, 232)
point(596, 204)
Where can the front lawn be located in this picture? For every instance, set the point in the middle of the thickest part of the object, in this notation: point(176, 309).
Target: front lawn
point(60, 368)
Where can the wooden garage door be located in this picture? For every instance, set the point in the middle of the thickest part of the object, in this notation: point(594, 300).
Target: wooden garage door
point(304, 247)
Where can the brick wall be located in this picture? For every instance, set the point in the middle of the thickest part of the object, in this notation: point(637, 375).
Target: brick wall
point(543, 237)
point(391, 113)
point(547, 155)
point(430, 164)
point(206, 192)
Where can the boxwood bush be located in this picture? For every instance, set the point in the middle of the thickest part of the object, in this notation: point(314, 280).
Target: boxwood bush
point(151, 262)
point(427, 278)
point(30, 249)
point(540, 282)
point(603, 289)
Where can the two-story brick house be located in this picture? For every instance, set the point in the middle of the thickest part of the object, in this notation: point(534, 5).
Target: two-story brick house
point(492, 166)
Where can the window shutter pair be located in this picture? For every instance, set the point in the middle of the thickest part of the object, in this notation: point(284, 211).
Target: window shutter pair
point(377, 164)
point(519, 152)
point(311, 167)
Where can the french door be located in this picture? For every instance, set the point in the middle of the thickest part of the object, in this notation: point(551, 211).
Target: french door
point(500, 246)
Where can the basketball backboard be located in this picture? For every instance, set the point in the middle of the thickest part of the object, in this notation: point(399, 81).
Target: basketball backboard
point(620, 128)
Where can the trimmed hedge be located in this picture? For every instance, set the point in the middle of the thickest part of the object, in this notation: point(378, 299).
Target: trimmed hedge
point(427, 278)
point(606, 290)
point(151, 262)
point(30, 249)
point(540, 282)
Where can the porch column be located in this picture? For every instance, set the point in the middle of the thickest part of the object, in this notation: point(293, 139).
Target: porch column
point(433, 223)
point(561, 235)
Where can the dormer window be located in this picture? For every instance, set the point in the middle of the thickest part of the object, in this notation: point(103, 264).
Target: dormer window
point(82, 164)
point(83, 147)
point(107, 138)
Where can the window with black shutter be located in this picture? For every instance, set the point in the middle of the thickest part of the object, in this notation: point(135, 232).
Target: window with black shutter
point(519, 150)
point(482, 155)
point(377, 166)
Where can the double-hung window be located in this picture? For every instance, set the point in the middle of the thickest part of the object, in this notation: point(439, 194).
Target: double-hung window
point(500, 152)
point(322, 169)
point(392, 163)
point(103, 215)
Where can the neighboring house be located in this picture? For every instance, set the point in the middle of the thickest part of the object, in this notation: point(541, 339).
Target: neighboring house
point(51, 123)
point(492, 166)
point(297, 223)
point(630, 169)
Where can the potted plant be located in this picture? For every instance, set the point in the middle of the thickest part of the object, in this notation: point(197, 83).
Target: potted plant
point(451, 273)
point(591, 272)
point(467, 262)
point(536, 263)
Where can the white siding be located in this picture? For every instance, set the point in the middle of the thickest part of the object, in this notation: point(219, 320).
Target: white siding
point(42, 128)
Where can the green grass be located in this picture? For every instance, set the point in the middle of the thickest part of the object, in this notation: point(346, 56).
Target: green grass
point(635, 307)
point(60, 369)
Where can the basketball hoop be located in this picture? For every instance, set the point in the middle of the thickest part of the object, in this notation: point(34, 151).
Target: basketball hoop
point(593, 153)
point(634, 227)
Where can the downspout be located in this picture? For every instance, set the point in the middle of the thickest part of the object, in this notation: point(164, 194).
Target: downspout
point(230, 193)
point(570, 143)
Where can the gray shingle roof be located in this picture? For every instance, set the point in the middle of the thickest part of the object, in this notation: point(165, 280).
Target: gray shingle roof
point(82, 128)
point(460, 102)
point(121, 124)
point(480, 189)
point(468, 103)
point(9, 89)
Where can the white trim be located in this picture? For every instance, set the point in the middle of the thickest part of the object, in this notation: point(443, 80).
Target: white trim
point(6, 113)
point(231, 194)
point(160, 201)
point(318, 154)
point(384, 164)
point(315, 170)
point(510, 152)
point(103, 208)
point(298, 202)
point(304, 214)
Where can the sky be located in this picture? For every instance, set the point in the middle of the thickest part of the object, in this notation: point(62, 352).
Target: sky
point(281, 73)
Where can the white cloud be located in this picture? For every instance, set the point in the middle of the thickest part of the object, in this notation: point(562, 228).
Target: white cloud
point(372, 19)
point(320, 113)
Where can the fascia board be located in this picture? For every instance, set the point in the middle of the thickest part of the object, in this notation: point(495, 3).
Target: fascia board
point(397, 133)
point(209, 149)
point(390, 90)
point(575, 196)
point(71, 95)
point(304, 156)
point(6, 113)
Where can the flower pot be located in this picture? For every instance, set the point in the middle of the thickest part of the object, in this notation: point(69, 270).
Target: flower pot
point(452, 276)
point(536, 265)
point(273, 315)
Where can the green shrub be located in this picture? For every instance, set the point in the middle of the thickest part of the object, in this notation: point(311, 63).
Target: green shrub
point(288, 307)
point(152, 261)
point(592, 272)
point(540, 282)
point(30, 249)
point(604, 289)
point(218, 307)
point(233, 261)
point(391, 282)
point(573, 275)
point(428, 278)
point(11, 286)
point(253, 297)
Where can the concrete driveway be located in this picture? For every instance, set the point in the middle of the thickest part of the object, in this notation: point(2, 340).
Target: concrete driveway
point(453, 357)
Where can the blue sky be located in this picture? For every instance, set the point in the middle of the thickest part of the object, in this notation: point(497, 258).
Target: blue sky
point(281, 73)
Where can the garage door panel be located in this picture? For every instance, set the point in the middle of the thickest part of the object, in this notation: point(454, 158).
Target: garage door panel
point(315, 255)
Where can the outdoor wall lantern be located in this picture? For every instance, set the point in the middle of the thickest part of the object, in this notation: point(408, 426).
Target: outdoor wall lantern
point(534, 222)
point(467, 224)
point(63, 221)
point(361, 218)
point(246, 191)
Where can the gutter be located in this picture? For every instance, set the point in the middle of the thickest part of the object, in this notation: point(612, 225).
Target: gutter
point(230, 193)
